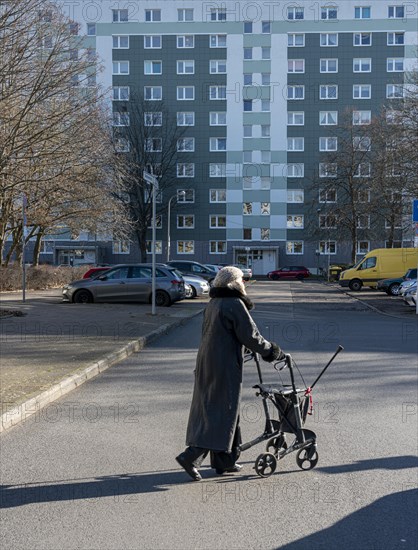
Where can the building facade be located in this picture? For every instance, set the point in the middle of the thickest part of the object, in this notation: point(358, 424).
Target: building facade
point(258, 86)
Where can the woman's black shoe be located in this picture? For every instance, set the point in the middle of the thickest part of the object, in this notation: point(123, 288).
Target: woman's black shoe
point(189, 468)
point(233, 470)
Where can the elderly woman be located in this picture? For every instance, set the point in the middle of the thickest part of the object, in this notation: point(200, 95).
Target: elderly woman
point(214, 414)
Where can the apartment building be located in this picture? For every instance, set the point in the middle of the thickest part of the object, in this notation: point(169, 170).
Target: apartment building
point(258, 86)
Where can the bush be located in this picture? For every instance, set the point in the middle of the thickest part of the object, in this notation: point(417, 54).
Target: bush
point(38, 277)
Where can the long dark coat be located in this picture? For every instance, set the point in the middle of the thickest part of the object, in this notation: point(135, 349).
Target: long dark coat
point(227, 327)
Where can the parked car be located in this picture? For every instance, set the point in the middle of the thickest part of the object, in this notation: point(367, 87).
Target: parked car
point(193, 268)
point(405, 286)
point(93, 271)
point(213, 267)
point(391, 286)
point(410, 295)
point(198, 286)
point(247, 271)
point(289, 272)
point(128, 283)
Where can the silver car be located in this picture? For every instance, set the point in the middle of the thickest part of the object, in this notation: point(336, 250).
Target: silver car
point(128, 283)
point(198, 286)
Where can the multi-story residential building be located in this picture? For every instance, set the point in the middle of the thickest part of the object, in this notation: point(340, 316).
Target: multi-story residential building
point(259, 86)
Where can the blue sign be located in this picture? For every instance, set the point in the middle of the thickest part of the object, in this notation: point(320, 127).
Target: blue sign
point(415, 210)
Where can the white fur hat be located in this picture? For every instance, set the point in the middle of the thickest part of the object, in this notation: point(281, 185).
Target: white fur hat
point(229, 277)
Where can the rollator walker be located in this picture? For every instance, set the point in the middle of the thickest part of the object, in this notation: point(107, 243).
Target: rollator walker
point(293, 405)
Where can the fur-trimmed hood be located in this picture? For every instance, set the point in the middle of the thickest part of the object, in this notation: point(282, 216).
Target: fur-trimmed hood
point(225, 292)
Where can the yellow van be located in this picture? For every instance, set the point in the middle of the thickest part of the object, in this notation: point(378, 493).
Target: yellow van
point(381, 263)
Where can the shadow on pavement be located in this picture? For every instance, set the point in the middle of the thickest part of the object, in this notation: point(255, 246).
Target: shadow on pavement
point(388, 463)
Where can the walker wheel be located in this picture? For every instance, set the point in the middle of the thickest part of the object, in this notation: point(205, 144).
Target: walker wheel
point(276, 444)
point(265, 465)
point(307, 459)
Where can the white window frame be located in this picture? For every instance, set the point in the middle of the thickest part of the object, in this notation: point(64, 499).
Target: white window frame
point(325, 38)
point(361, 119)
point(217, 170)
point(184, 91)
point(217, 195)
point(220, 90)
point(324, 65)
point(358, 63)
point(154, 90)
point(217, 118)
point(329, 13)
point(217, 66)
point(217, 41)
point(117, 41)
point(120, 90)
point(185, 196)
point(293, 38)
point(182, 117)
point(361, 218)
point(153, 67)
point(295, 13)
point(186, 145)
point(396, 12)
point(295, 144)
point(295, 221)
point(185, 221)
point(153, 145)
point(216, 221)
point(185, 247)
point(185, 169)
point(359, 37)
point(295, 170)
point(363, 247)
point(214, 143)
point(185, 41)
point(392, 62)
point(362, 91)
point(393, 38)
point(185, 14)
point(295, 196)
point(328, 170)
point(327, 248)
point(359, 12)
point(121, 247)
point(327, 221)
point(294, 248)
point(185, 66)
point(327, 196)
point(149, 40)
point(121, 118)
point(218, 14)
point(153, 118)
point(217, 247)
point(122, 145)
point(327, 115)
point(120, 67)
point(158, 247)
point(328, 143)
point(152, 15)
point(395, 91)
point(327, 89)
point(362, 143)
point(291, 91)
point(120, 16)
point(296, 118)
point(295, 66)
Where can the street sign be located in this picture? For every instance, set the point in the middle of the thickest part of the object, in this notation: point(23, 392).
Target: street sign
point(415, 210)
point(149, 178)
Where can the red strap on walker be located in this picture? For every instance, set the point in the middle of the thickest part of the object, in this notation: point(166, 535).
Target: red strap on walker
point(309, 392)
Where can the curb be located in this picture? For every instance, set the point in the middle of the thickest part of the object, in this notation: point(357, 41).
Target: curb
point(24, 410)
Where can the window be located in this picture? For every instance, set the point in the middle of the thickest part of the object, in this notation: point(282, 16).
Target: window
point(265, 157)
point(327, 170)
point(185, 195)
point(265, 208)
point(153, 118)
point(217, 92)
point(328, 65)
point(217, 170)
point(217, 221)
point(394, 91)
point(295, 13)
point(217, 66)
point(396, 38)
point(266, 27)
point(363, 170)
point(158, 222)
point(153, 67)
point(247, 157)
point(328, 91)
point(295, 144)
point(91, 29)
point(265, 234)
point(185, 93)
point(294, 170)
point(362, 65)
point(248, 79)
point(328, 143)
point(122, 145)
point(247, 208)
point(152, 15)
point(362, 143)
point(153, 93)
point(363, 195)
point(363, 247)
point(295, 196)
point(265, 79)
point(265, 130)
point(265, 52)
point(395, 65)
point(152, 41)
point(362, 117)
point(120, 67)
point(120, 93)
point(329, 13)
point(217, 144)
point(217, 195)
point(154, 145)
point(218, 14)
point(185, 118)
point(363, 221)
point(396, 12)
point(120, 119)
point(296, 40)
point(362, 12)
point(248, 105)
point(217, 118)
point(120, 16)
point(327, 247)
point(217, 247)
point(362, 91)
point(247, 234)
point(328, 118)
point(185, 41)
point(248, 27)
point(185, 169)
point(120, 42)
point(328, 39)
point(362, 39)
point(295, 118)
point(185, 66)
point(185, 14)
point(296, 66)
point(327, 195)
point(296, 91)
point(185, 247)
point(185, 144)
point(327, 221)
point(158, 250)
point(120, 247)
point(295, 221)
point(294, 247)
point(248, 53)
point(217, 41)
point(265, 105)
point(185, 221)
point(247, 130)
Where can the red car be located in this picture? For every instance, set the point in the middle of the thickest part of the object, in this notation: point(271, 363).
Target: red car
point(289, 272)
point(93, 271)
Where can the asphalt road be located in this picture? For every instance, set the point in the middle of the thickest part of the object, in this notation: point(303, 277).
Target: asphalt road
point(96, 470)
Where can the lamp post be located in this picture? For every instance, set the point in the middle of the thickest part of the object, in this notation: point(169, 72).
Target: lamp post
point(152, 180)
point(176, 196)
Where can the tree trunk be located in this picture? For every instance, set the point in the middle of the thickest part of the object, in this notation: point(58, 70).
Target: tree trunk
point(37, 247)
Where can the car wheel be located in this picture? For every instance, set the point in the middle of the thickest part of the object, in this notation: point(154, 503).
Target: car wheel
point(193, 293)
point(393, 289)
point(355, 285)
point(162, 299)
point(275, 277)
point(83, 297)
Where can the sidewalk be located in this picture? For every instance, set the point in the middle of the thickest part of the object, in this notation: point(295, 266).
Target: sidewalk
point(49, 347)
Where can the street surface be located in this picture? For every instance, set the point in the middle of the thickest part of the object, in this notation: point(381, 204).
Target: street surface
point(96, 469)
